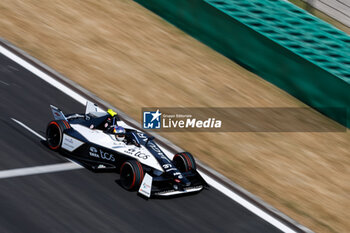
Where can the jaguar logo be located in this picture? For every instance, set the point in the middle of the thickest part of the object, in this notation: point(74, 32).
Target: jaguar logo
point(93, 149)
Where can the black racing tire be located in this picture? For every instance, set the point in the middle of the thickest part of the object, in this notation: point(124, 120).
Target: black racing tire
point(54, 134)
point(131, 175)
point(184, 162)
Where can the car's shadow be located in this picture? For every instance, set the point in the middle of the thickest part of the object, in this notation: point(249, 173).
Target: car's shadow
point(86, 165)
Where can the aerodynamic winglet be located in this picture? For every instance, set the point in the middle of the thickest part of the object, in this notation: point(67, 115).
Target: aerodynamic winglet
point(146, 186)
point(57, 113)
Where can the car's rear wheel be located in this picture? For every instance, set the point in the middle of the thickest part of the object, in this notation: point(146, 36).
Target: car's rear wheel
point(184, 162)
point(54, 134)
point(131, 174)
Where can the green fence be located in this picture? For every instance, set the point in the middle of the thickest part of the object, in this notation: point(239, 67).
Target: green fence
point(282, 43)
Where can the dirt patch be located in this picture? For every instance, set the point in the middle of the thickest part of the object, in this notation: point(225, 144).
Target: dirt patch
point(132, 59)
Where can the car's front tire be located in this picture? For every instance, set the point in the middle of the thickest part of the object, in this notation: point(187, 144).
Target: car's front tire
point(131, 175)
point(54, 134)
point(184, 162)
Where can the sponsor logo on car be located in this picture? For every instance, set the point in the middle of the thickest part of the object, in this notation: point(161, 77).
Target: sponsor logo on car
point(168, 167)
point(107, 156)
point(93, 152)
point(141, 155)
point(69, 143)
point(146, 186)
point(142, 136)
point(101, 154)
point(160, 153)
point(178, 174)
point(70, 140)
point(133, 152)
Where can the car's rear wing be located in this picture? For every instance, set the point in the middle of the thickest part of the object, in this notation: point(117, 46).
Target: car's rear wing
point(91, 108)
point(57, 113)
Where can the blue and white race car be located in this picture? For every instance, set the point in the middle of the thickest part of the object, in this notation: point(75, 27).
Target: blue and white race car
point(100, 140)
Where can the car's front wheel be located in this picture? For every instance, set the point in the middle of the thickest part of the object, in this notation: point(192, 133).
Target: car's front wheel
point(184, 162)
point(131, 174)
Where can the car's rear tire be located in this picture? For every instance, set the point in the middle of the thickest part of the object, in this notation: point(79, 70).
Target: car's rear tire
point(54, 134)
point(131, 175)
point(184, 162)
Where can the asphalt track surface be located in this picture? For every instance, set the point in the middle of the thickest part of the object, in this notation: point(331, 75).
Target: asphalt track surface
point(80, 200)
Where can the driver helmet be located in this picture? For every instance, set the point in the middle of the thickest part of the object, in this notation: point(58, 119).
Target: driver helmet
point(119, 133)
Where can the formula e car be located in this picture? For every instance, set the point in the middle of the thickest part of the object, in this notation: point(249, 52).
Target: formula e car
point(142, 164)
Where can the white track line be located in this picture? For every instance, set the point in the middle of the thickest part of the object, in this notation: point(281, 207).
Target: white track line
point(38, 170)
point(43, 76)
point(39, 136)
point(29, 129)
point(273, 221)
point(4, 83)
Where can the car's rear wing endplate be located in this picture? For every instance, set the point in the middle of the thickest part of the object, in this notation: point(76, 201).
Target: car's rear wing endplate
point(57, 113)
point(91, 108)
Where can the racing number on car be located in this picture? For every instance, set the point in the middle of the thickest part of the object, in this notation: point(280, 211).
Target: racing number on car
point(167, 166)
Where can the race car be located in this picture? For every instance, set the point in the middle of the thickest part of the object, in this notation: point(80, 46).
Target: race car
point(92, 140)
